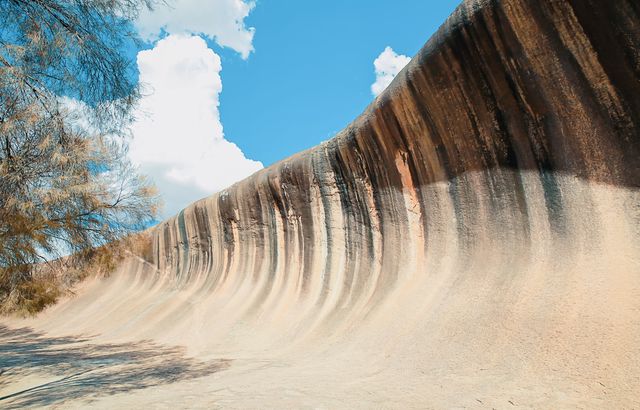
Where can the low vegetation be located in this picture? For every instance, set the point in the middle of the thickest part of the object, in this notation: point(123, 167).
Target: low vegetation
point(52, 280)
point(67, 91)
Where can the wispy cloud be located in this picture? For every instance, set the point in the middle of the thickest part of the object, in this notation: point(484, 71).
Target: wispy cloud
point(219, 20)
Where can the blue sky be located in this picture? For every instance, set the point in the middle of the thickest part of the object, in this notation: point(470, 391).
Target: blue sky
point(312, 68)
point(234, 85)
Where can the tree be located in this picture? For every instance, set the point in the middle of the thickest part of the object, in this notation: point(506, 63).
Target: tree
point(66, 95)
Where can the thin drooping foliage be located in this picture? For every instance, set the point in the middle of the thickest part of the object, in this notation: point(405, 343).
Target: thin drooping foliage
point(66, 96)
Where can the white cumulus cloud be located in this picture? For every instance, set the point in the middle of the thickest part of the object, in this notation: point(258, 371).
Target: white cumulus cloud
point(387, 66)
point(220, 20)
point(178, 139)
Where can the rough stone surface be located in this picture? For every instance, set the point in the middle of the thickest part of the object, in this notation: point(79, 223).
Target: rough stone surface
point(471, 240)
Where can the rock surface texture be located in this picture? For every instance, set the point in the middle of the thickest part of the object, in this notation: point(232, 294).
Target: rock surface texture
point(471, 240)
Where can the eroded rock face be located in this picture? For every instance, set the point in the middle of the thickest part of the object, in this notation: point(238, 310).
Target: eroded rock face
point(482, 139)
point(473, 237)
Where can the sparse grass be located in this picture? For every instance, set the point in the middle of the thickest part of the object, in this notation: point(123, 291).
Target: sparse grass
point(46, 283)
point(31, 297)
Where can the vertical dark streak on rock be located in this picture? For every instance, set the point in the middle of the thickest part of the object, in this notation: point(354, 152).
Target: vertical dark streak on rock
point(307, 227)
point(259, 225)
point(350, 214)
point(274, 209)
point(183, 243)
point(320, 173)
point(613, 46)
point(227, 219)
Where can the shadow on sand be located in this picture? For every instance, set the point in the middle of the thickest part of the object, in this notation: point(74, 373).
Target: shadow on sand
point(79, 369)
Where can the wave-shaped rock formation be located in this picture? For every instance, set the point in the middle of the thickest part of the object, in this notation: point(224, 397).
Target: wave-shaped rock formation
point(471, 240)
